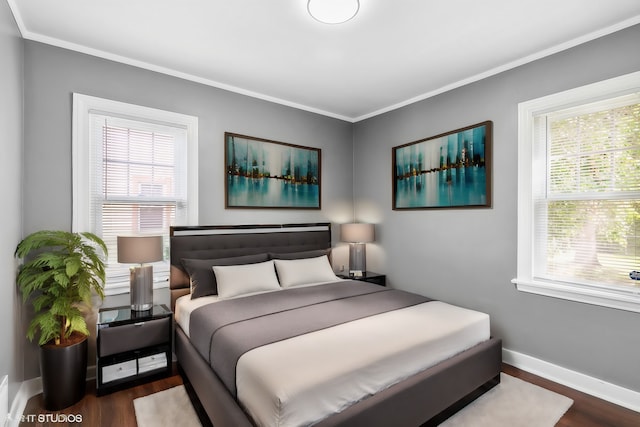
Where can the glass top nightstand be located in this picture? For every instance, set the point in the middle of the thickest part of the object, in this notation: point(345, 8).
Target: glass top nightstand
point(124, 314)
point(132, 347)
point(368, 276)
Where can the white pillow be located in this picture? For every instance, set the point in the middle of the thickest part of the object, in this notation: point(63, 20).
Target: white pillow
point(236, 280)
point(296, 272)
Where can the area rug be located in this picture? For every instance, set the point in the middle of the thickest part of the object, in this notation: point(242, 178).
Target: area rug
point(512, 403)
point(169, 408)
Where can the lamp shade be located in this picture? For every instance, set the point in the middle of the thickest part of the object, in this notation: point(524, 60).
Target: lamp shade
point(139, 249)
point(357, 233)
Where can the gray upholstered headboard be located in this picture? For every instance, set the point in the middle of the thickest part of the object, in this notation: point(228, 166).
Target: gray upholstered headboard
point(224, 241)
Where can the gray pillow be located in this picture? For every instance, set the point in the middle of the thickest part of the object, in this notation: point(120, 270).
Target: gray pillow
point(200, 271)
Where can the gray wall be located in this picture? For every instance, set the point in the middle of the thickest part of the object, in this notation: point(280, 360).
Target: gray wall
point(465, 257)
point(11, 85)
point(53, 74)
point(468, 257)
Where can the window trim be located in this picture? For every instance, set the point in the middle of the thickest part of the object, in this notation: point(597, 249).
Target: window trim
point(617, 297)
point(83, 106)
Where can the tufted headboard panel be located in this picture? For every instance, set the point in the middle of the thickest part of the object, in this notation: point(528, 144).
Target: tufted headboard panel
point(224, 241)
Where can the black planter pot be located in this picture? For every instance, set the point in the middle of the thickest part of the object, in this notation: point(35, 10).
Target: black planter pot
point(64, 374)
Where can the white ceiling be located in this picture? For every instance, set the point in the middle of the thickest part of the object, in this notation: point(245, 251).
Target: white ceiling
point(391, 54)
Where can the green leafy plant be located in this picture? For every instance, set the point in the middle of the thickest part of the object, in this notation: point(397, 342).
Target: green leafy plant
point(62, 272)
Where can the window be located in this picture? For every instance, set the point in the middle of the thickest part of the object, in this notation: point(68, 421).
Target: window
point(134, 173)
point(579, 194)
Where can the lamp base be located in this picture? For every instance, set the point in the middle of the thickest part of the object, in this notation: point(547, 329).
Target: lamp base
point(357, 259)
point(141, 291)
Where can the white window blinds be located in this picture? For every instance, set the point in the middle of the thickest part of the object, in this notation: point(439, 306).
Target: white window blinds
point(138, 182)
point(579, 194)
point(132, 176)
point(587, 213)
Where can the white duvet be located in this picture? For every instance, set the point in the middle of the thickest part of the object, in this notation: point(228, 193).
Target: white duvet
point(302, 380)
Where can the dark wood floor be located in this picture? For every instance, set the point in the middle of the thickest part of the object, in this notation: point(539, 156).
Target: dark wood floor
point(586, 411)
point(116, 409)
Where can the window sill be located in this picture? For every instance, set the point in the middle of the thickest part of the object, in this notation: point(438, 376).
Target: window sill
point(618, 298)
point(123, 288)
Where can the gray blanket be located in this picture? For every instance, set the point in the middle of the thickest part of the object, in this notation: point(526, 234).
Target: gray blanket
point(224, 331)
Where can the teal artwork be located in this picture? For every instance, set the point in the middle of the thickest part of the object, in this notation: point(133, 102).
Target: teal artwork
point(451, 170)
point(268, 174)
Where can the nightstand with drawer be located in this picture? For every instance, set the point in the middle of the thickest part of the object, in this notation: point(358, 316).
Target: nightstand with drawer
point(132, 346)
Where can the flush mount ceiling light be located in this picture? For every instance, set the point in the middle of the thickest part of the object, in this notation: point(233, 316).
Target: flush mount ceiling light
point(333, 11)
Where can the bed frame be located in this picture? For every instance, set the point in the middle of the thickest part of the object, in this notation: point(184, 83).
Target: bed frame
point(424, 399)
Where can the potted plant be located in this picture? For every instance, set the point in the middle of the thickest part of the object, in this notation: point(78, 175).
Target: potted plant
point(61, 273)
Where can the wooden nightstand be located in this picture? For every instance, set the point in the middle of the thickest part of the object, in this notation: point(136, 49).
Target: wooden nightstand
point(132, 346)
point(368, 276)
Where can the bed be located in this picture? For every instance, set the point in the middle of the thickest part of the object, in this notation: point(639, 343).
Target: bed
point(303, 348)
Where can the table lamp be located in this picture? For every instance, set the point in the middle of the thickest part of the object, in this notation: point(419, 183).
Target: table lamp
point(140, 250)
point(358, 235)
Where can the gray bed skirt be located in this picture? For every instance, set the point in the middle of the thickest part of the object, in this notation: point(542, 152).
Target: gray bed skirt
point(410, 403)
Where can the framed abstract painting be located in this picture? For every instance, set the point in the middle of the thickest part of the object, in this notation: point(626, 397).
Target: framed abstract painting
point(450, 170)
point(260, 173)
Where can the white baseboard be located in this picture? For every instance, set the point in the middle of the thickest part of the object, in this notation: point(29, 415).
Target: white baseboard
point(27, 390)
point(91, 372)
point(4, 400)
point(610, 392)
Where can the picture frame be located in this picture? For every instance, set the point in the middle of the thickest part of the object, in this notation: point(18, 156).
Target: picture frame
point(451, 170)
point(265, 174)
